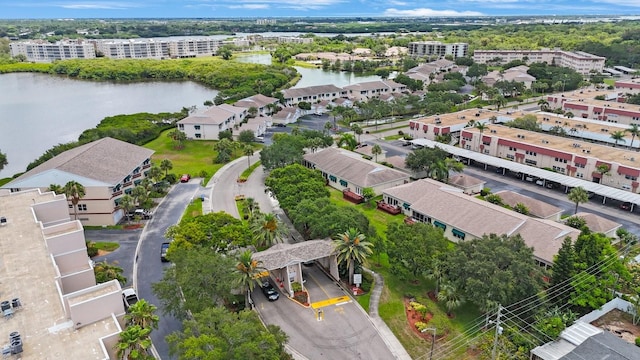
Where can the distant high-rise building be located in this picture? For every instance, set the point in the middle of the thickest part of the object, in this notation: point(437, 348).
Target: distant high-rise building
point(437, 48)
point(580, 61)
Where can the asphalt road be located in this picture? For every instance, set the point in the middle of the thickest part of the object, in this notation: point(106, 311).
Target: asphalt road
point(345, 333)
point(122, 256)
point(149, 267)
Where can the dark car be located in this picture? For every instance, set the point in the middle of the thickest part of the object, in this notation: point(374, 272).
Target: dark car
point(269, 291)
point(163, 251)
point(625, 205)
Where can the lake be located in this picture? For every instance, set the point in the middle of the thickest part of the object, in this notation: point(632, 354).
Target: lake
point(311, 77)
point(38, 111)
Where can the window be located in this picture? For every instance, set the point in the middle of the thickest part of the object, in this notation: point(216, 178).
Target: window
point(561, 160)
point(486, 151)
point(332, 178)
point(181, 126)
point(531, 153)
point(343, 183)
point(510, 157)
point(440, 225)
point(198, 136)
point(82, 207)
point(196, 127)
point(580, 175)
point(629, 177)
point(458, 234)
point(468, 147)
point(531, 162)
point(580, 165)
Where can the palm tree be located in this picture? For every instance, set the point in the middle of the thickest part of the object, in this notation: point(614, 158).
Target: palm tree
point(252, 206)
point(437, 273)
point(134, 343)
point(451, 297)
point(248, 151)
point(578, 195)
point(356, 130)
point(142, 313)
point(268, 230)
point(347, 141)
point(127, 204)
point(327, 126)
point(74, 191)
point(634, 130)
point(166, 165)
point(481, 126)
point(544, 104)
point(154, 173)
point(352, 248)
point(178, 137)
point(253, 111)
point(499, 101)
point(617, 136)
point(376, 150)
point(248, 270)
point(58, 189)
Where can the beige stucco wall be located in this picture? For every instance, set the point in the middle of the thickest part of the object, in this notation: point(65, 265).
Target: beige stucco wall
point(78, 281)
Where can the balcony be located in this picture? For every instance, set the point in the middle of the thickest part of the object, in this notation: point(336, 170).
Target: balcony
point(348, 195)
point(390, 209)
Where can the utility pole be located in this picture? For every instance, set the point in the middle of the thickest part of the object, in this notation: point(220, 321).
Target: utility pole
point(498, 332)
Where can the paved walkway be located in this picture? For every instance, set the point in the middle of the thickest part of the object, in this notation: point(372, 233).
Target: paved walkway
point(374, 301)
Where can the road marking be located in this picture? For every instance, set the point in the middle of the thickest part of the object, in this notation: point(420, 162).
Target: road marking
point(317, 283)
point(335, 301)
point(339, 310)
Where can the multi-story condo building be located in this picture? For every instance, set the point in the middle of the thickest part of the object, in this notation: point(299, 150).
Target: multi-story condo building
point(437, 48)
point(158, 48)
point(584, 105)
point(52, 306)
point(367, 90)
point(44, 51)
point(612, 166)
point(106, 168)
point(630, 86)
point(312, 94)
point(582, 62)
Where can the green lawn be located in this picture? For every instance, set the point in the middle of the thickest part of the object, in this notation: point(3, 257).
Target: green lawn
point(392, 309)
point(193, 209)
point(245, 174)
point(195, 158)
point(106, 246)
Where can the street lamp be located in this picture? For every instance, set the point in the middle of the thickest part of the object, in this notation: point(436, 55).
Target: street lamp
point(433, 339)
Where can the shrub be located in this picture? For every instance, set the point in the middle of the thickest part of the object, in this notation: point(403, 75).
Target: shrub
point(400, 132)
point(419, 308)
point(441, 323)
point(421, 325)
point(367, 157)
point(203, 174)
point(494, 199)
point(91, 249)
point(171, 178)
point(638, 341)
point(296, 286)
point(387, 164)
point(226, 134)
point(485, 191)
point(367, 282)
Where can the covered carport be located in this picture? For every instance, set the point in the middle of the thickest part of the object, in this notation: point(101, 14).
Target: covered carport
point(606, 192)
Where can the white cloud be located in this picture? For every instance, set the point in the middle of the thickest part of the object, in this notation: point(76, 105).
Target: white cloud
point(106, 5)
point(422, 12)
point(632, 3)
point(397, 3)
point(250, 6)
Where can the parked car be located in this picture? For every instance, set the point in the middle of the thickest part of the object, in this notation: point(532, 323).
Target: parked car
point(185, 178)
point(163, 251)
point(280, 125)
point(625, 205)
point(269, 291)
point(540, 182)
point(259, 139)
point(144, 214)
point(129, 297)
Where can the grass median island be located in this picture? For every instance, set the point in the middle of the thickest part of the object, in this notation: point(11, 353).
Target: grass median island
point(245, 174)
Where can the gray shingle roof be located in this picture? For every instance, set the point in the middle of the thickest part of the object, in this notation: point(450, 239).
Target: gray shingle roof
point(212, 116)
point(604, 346)
point(598, 223)
point(465, 181)
point(353, 168)
point(536, 208)
point(476, 217)
point(106, 160)
point(281, 255)
point(311, 91)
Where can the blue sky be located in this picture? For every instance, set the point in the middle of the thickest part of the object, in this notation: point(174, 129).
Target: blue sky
point(12, 9)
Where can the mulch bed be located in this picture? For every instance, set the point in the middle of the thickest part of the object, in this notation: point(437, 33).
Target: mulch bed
point(132, 226)
point(413, 317)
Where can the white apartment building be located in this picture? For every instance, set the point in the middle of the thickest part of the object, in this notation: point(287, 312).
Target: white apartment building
point(51, 301)
point(582, 62)
point(158, 48)
point(437, 48)
point(44, 51)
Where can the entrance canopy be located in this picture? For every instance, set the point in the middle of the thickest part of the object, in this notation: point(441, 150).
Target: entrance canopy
point(282, 255)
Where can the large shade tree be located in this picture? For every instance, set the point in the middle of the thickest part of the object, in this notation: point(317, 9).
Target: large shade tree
point(218, 334)
point(495, 269)
point(352, 249)
point(294, 183)
point(3, 160)
point(218, 232)
point(415, 248)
